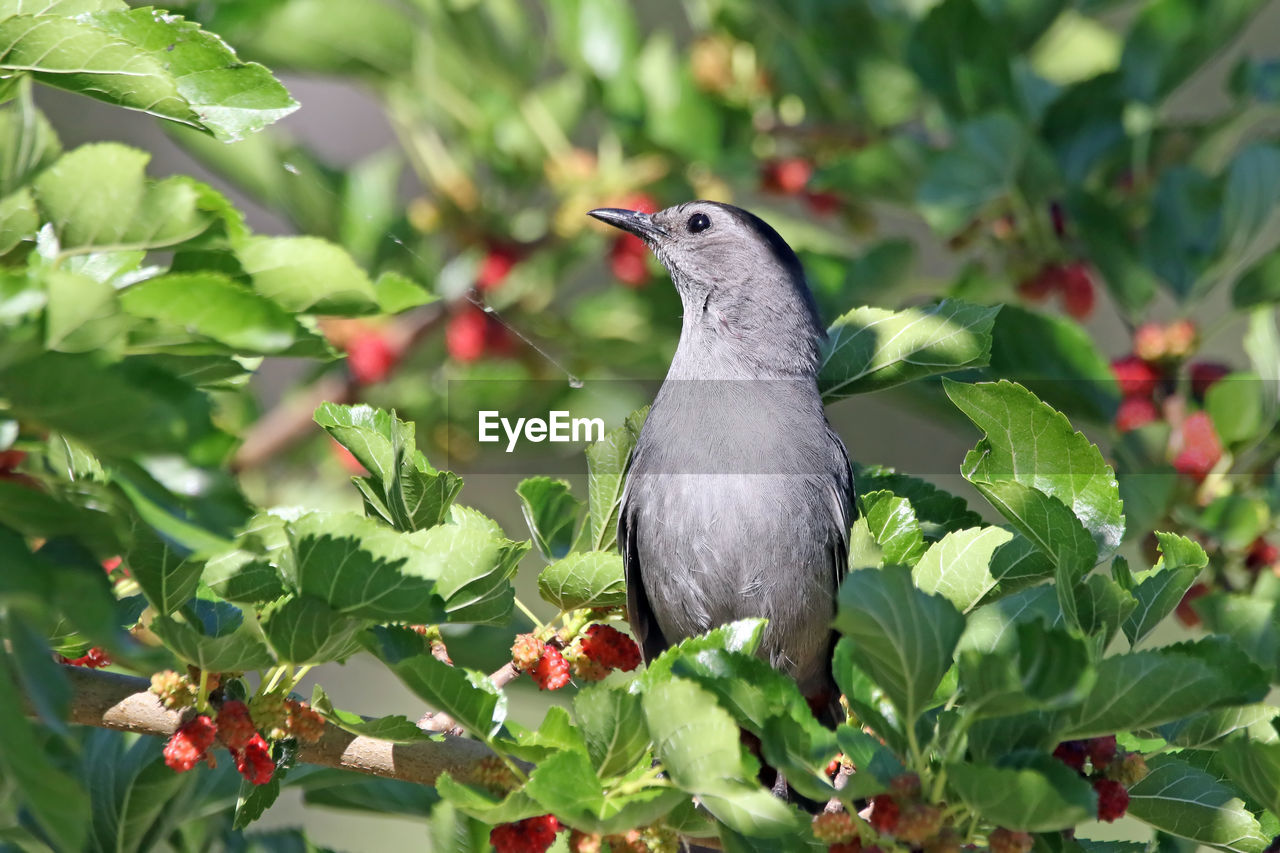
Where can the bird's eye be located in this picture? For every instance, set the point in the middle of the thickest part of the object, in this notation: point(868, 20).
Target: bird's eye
point(698, 223)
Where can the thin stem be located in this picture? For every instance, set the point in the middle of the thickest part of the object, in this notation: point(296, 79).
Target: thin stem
point(299, 675)
point(272, 680)
point(202, 695)
point(537, 623)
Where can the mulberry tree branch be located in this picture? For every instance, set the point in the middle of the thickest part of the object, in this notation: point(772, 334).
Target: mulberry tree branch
point(122, 702)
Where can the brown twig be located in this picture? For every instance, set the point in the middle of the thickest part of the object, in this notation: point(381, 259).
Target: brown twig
point(290, 421)
point(124, 703)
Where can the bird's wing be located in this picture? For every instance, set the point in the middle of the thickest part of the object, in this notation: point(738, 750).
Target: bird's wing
point(644, 625)
point(842, 497)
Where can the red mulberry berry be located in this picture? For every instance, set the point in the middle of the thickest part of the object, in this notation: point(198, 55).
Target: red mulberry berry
point(834, 827)
point(1129, 770)
point(496, 266)
point(302, 721)
point(235, 726)
point(254, 761)
point(1077, 288)
point(1201, 448)
point(611, 648)
point(1135, 376)
point(551, 672)
point(585, 842)
point(189, 743)
point(905, 786)
point(1135, 412)
point(95, 658)
point(628, 260)
point(371, 357)
point(531, 835)
point(1113, 799)
point(884, 813)
point(526, 651)
point(1180, 338)
point(1072, 753)
point(1262, 554)
point(1148, 342)
point(788, 176)
point(1008, 841)
point(1184, 611)
point(1204, 375)
point(1102, 750)
point(918, 823)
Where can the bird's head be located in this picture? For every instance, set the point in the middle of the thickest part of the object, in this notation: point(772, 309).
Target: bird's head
point(741, 284)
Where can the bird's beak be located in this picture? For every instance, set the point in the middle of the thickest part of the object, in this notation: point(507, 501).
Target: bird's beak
point(633, 221)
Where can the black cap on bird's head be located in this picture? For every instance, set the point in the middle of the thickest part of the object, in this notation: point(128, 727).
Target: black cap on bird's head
point(731, 268)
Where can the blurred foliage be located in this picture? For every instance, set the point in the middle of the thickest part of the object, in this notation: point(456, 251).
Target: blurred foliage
point(1036, 142)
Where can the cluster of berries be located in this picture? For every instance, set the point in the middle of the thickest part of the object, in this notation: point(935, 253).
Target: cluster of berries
point(1071, 282)
point(651, 839)
point(600, 649)
point(900, 814)
point(95, 658)
point(1110, 770)
point(790, 176)
point(531, 835)
point(1147, 376)
point(236, 725)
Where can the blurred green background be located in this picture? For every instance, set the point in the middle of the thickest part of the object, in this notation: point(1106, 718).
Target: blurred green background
point(666, 99)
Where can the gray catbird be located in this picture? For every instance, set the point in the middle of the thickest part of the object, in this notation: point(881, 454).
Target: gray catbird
point(738, 497)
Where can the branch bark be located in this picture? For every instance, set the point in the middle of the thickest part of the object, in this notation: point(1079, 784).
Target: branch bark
point(122, 702)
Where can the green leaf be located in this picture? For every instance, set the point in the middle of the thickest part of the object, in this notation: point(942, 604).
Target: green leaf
point(1102, 605)
point(147, 61)
point(1055, 359)
point(904, 638)
point(44, 683)
point(402, 488)
point(1041, 798)
point(393, 727)
point(484, 806)
point(700, 751)
point(218, 308)
point(1236, 404)
point(978, 169)
point(1045, 521)
point(1144, 689)
point(612, 725)
point(1171, 39)
point(959, 565)
point(606, 467)
point(937, 511)
point(363, 569)
point(305, 630)
point(248, 572)
point(253, 800)
point(1039, 669)
point(1249, 621)
point(1030, 443)
point(590, 579)
point(565, 784)
point(869, 349)
point(44, 788)
point(307, 274)
point(467, 696)
point(132, 789)
point(124, 210)
point(1110, 248)
point(744, 635)
point(215, 637)
point(162, 569)
point(151, 411)
point(1255, 767)
point(892, 523)
point(1206, 729)
point(397, 293)
point(376, 796)
point(1188, 802)
point(1260, 285)
point(551, 514)
point(1159, 590)
point(28, 142)
point(962, 58)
